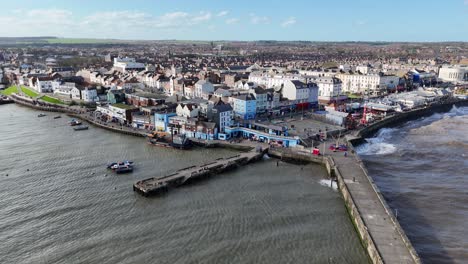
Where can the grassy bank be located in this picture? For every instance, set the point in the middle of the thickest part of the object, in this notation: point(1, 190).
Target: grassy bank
point(52, 100)
point(10, 90)
point(29, 92)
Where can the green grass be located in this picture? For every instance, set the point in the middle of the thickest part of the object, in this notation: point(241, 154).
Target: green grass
point(52, 100)
point(10, 90)
point(29, 92)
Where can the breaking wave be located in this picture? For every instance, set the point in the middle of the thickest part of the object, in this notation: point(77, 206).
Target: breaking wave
point(326, 183)
point(377, 144)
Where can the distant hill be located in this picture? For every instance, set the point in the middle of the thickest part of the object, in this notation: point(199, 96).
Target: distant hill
point(56, 40)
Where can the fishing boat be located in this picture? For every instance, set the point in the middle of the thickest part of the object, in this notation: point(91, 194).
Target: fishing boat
point(121, 167)
point(124, 169)
point(162, 140)
point(41, 115)
point(74, 122)
point(5, 100)
point(81, 127)
point(57, 117)
point(115, 165)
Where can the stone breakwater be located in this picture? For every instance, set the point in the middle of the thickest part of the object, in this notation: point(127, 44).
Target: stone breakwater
point(379, 231)
point(399, 118)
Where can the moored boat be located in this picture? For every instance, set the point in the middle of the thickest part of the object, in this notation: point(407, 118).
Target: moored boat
point(162, 140)
point(121, 167)
point(80, 127)
point(74, 122)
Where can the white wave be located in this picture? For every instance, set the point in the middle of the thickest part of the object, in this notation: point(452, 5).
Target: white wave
point(266, 157)
point(326, 183)
point(376, 148)
point(385, 133)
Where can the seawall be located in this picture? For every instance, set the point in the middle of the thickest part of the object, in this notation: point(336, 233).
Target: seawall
point(399, 118)
point(381, 235)
point(76, 114)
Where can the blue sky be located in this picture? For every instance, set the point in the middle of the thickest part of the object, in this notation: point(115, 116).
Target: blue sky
point(339, 20)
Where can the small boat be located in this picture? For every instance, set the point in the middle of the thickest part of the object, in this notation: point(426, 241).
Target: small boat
point(178, 142)
point(115, 165)
point(121, 167)
point(57, 117)
point(124, 169)
point(74, 122)
point(41, 115)
point(78, 128)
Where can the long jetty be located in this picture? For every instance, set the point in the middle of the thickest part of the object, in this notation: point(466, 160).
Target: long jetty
point(157, 185)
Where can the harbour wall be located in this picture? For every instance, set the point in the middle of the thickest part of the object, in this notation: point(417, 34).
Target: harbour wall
point(400, 118)
point(351, 203)
point(74, 113)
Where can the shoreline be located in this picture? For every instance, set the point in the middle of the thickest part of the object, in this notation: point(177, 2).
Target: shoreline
point(373, 232)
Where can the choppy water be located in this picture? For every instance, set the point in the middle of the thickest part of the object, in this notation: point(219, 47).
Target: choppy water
point(69, 209)
point(422, 169)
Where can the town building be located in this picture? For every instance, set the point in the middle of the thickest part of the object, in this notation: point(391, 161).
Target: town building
point(86, 94)
point(63, 88)
point(222, 115)
point(203, 89)
point(370, 83)
point(128, 64)
point(454, 73)
point(244, 106)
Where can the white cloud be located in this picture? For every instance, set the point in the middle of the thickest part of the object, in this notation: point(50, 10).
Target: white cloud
point(203, 16)
point(254, 19)
point(108, 24)
point(232, 21)
point(289, 22)
point(222, 13)
point(36, 22)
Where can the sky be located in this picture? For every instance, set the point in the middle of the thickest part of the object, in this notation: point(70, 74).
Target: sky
point(311, 20)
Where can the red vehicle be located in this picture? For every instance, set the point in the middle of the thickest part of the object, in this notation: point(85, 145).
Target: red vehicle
point(335, 147)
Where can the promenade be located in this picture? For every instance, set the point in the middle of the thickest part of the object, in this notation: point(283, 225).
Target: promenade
point(382, 228)
point(380, 233)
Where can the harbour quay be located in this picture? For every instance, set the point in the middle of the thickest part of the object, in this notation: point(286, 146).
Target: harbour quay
point(157, 185)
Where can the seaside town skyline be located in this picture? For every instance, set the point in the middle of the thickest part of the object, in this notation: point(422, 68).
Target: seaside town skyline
point(233, 132)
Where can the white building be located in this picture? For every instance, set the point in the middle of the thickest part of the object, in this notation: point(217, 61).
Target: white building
point(87, 94)
point(203, 89)
point(360, 83)
point(187, 110)
point(42, 84)
point(454, 73)
point(329, 87)
point(272, 80)
point(63, 88)
point(296, 91)
point(363, 69)
point(128, 64)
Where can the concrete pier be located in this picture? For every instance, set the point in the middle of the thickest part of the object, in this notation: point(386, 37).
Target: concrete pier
point(380, 233)
point(161, 184)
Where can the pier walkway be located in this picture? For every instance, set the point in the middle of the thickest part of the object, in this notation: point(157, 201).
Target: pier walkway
point(390, 240)
point(381, 234)
point(160, 184)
